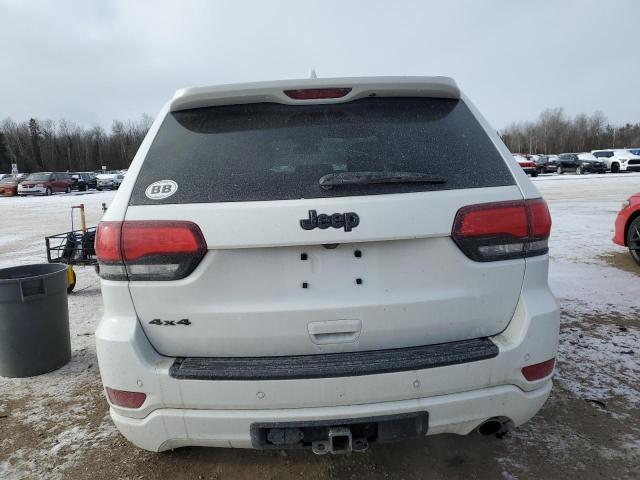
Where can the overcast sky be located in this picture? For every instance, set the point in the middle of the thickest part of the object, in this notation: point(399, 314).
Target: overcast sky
point(93, 61)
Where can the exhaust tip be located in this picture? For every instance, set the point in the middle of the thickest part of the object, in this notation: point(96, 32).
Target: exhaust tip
point(493, 426)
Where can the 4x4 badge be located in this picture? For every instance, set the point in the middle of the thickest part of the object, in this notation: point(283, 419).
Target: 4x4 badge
point(173, 323)
point(348, 221)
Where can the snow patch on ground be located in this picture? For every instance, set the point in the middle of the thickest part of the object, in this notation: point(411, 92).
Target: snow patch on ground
point(27, 220)
point(594, 288)
point(57, 453)
point(597, 359)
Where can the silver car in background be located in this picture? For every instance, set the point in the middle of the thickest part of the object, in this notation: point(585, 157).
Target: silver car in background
point(110, 181)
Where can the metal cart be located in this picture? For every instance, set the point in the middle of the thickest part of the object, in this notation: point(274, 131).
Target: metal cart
point(73, 248)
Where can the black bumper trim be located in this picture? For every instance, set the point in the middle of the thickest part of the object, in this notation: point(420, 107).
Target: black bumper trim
point(331, 365)
point(381, 429)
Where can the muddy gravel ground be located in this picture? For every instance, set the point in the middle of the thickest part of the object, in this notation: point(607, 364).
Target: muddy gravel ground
point(56, 426)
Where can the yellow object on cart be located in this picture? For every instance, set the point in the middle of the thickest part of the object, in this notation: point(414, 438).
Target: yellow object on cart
point(71, 279)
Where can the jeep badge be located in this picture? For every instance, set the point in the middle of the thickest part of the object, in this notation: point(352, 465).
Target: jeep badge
point(348, 221)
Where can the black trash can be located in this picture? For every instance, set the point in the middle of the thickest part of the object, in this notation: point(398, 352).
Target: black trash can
point(34, 320)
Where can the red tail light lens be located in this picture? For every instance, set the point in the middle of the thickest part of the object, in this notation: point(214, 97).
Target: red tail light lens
point(148, 250)
point(122, 398)
point(149, 238)
point(539, 370)
point(317, 93)
point(107, 242)
point(539, 218)
point(503, 230)
point(109, 251)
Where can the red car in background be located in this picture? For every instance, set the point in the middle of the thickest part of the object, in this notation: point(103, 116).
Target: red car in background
point(9, 184)
point(627, 232)
point(527, 165)
point(45, 183)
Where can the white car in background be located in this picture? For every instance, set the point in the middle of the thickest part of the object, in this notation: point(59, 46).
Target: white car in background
point(618, 159)
point(290, 265)
point(109, 181)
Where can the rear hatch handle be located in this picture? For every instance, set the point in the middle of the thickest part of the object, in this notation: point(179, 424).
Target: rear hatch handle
point(335, 331)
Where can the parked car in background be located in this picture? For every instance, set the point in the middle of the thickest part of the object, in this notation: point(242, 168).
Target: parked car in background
point(45, 183)
point(545, 163)
point(627, 226)
point(527, 165)
point(84, 180)
point(552, 163)
point(209, 255)
point(9, 184)
point(580, 163)
point(633, 161)
point(537, 160)
point(109, 181)
point(619, 160)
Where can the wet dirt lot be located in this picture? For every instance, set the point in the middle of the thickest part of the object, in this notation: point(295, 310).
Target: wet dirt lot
point(57, 425)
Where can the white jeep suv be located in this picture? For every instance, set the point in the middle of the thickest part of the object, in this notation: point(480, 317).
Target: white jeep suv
point(323, 263)
point(618, 160)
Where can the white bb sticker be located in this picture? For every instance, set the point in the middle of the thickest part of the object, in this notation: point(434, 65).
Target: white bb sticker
point(161, 189)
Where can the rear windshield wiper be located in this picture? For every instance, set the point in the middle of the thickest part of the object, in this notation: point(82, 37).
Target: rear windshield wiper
point(369, 178)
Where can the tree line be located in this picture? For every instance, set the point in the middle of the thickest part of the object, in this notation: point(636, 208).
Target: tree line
point(555, 132)
point(49, 145)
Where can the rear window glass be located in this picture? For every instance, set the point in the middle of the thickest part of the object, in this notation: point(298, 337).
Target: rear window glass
point(269, 151)
point(39, 176)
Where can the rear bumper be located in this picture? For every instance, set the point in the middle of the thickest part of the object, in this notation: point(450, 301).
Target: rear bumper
point(458, 413)
point(458, 397)
point(32, 191)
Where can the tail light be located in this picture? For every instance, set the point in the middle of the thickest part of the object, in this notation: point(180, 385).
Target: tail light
point(539, 370)
point(123, 398)
point(503, 230)
point(316, 93)
point(148, 250)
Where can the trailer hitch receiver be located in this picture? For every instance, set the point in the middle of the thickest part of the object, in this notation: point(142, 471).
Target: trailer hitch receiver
point(340, 440)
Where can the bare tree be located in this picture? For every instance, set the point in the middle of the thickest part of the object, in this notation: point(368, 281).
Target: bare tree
point(38, 145)
point(553, 132)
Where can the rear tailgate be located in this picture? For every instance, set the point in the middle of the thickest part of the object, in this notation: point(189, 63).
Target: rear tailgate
point(247, 175)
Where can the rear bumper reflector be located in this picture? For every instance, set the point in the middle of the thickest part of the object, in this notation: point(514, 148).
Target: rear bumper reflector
point(329, 365)
point(124, 398)
point(539, 370)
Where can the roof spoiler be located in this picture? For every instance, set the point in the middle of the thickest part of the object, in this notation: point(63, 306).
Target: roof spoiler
point(273, 92)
